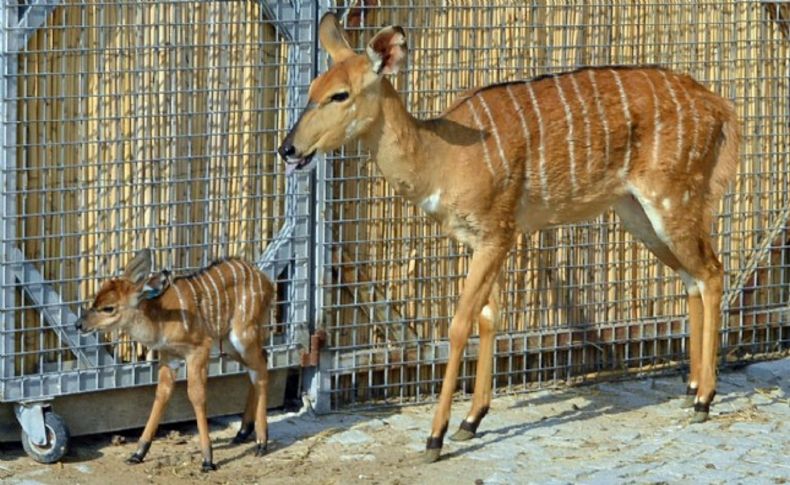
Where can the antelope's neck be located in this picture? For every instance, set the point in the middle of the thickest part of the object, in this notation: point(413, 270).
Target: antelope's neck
point(398, 143)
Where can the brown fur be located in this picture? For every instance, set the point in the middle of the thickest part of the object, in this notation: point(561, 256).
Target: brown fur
point(227, 301)
point(655, 145)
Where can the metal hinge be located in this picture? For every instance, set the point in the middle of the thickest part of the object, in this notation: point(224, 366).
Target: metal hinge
point(317, 342)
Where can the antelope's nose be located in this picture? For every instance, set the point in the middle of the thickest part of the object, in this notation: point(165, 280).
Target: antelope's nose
point(79, 323)
point(287, 150)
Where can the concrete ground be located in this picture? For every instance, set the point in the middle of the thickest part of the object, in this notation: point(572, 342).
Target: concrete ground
point(617, 432)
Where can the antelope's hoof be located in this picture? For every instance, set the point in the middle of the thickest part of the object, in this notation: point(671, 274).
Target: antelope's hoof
point(135, 459)
point(687, 402)
point(431, 455)
point(462, 435)
point(207, 466)
point(243, 434)
point(260, 449)
point(699, 417)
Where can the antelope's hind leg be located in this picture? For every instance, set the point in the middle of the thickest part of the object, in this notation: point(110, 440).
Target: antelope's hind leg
point(254, 358)
point(683, 244)
point(248, 418)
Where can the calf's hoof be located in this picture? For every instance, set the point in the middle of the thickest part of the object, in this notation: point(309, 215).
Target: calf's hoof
point(260, 449)
point(135, 459)
point(243, 434)
point(207, 466)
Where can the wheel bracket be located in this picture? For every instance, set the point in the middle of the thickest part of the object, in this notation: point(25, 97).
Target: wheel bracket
point(31, 417)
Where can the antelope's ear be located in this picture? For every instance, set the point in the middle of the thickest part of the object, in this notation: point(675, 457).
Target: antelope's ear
point(331, 35)
point(156, 285)
point(138, 269)
point(387, 50)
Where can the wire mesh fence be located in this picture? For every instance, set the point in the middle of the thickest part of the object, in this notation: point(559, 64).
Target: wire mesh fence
point(143, 124)
point(579, 300)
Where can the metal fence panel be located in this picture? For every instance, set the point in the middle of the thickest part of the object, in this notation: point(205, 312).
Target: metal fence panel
point(144, 124)
point(580, 299)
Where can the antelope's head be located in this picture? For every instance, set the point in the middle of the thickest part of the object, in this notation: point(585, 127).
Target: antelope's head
point(344, 101)
point(117, 301)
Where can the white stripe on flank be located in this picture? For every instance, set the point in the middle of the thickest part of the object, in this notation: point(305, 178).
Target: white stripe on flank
point(602, 116)
point(243, 290)
point(479, 124)
point(182, 306)
point(544, 182)
point(217, 300)
point(679, 112)
point(235, 288)
point(525, 130)
point(627, 113)
point(585, 114)
point(656, 119)
point(694, 152)
point(224, 297)
point(502, 157)
point(569, 134)
point(209, 316)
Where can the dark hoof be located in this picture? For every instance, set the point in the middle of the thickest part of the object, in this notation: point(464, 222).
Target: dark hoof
point(244, 433)
point(701, 411)
point(260, 449)
point(699, 417)
point(207, 466)
point(688, 401)
point(462, 435)
point(135, 459)
point(431, 455)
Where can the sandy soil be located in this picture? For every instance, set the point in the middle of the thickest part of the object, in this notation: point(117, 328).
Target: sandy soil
point(622, 432)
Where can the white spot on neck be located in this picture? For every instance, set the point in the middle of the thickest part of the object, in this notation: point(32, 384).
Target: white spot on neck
point(686, 197)
point(666, 203)
point(431, 203)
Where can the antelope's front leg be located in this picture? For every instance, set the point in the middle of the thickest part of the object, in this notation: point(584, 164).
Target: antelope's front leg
point(197, 375)
point(488, 323)
point(164, 388)
point(483, 271)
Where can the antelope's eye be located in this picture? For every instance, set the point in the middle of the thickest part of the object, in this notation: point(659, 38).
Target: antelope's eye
point(108, 309)
point(339, 97)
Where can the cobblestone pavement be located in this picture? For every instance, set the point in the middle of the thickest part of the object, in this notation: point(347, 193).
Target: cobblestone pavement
point(616, 432)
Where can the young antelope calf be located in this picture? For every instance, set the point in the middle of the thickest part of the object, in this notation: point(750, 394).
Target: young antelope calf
point(181, 318)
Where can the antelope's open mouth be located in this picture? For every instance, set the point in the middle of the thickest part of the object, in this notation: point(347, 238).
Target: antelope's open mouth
point(292, 164)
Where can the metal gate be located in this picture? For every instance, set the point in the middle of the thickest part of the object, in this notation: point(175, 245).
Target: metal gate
point(583, 300)
point(155, 124)
point(144, 124)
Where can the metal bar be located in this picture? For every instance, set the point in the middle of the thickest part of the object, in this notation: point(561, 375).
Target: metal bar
point(8, 119)
point(53, 384)
point(87, 348)
point(33, 17)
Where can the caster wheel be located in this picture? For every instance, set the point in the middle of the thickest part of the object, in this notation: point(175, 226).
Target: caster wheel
point(57, 440)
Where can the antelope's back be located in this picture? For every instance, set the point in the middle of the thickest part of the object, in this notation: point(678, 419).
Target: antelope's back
point(226, 292)
point(585, 135)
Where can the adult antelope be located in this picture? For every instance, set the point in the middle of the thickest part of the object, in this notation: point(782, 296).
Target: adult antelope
point(653, 144)
point(181, 318)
